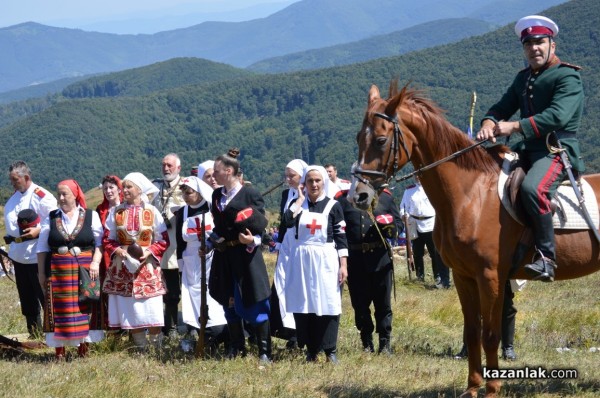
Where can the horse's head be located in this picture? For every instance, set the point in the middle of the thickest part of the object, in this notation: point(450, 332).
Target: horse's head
point(383, 147)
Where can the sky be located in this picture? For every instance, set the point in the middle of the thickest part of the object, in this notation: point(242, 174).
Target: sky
point(83, 13)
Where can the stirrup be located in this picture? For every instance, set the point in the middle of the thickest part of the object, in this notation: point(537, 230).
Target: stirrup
point(541, 268)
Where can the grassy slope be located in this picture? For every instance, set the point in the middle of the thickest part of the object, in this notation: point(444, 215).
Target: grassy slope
point(427, 327)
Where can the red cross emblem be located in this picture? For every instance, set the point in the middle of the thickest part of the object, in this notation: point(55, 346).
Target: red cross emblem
point(313, 226)
point(244, 214)
point(384, 219)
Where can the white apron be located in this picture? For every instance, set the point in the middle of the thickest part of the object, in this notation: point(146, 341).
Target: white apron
point(191, 277)
point(311, 280)
point(283, 263)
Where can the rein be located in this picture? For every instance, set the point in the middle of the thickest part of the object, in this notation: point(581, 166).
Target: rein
point(398, 136)
point(438, 162)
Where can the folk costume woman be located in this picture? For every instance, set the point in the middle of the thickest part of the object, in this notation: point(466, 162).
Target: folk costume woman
point(282, 322)
point(238, 278)
point(71, 237)
point(189, 234)
point(317, 266)
point(136, 239)
point(112, 190)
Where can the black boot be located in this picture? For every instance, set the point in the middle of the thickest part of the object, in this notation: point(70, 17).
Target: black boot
point(542, 268)
point(509, 313)
point(367, 342)
point(237, 341)
point(330, 356)
point(384, 346)
point(171, 316)
point(463, 353)
point(34, 325)
point(263, 340)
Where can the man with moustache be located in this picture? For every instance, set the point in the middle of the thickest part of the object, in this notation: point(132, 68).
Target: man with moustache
point(549, 95)
point(167, 200)
point(23, 239)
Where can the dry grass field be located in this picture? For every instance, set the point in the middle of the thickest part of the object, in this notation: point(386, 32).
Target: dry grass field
point(427, 329)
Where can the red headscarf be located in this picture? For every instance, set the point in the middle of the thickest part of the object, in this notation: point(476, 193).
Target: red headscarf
point(76, 189)
point(104, 207)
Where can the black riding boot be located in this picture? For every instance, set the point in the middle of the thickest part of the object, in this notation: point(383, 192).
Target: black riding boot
point(542, 269)
point(237, 344)
point(34, 325)
point(330, 355)
point(263, 340)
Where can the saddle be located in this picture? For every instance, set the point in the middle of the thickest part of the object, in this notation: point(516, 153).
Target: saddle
point(564, 205)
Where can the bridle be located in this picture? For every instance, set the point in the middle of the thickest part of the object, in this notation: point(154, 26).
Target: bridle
point(380, 179)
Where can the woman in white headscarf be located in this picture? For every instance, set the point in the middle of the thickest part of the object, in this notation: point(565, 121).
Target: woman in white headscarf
point(205, 173)
point(136, 239)
point(282, 323)
point(193, 222)
point(317, 266)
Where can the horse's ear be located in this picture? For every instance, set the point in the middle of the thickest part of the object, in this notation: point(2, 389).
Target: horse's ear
point(373, 94)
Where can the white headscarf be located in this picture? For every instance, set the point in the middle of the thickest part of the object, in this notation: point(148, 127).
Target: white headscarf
point(199, 186)
point(143, 183)
point(298, 165)
point(202, 167)
point(329, 188)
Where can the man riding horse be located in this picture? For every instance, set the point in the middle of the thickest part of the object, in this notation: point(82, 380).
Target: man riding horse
point(549, 95)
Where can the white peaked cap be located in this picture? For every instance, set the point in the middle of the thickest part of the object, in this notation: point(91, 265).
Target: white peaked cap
point(535, 25)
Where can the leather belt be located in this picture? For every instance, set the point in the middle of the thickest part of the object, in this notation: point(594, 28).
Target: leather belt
point(222, 246)
point(10, 239)
point(421, 217)
point(366, 246)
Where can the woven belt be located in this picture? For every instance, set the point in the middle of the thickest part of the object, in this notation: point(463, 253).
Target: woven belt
point(75, 250)
point(421, 217)
point(366, 246)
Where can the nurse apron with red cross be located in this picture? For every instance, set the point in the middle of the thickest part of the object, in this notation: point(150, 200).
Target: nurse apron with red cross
point(312, 284)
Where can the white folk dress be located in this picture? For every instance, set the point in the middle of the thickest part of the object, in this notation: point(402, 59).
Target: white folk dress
point(191, 275)
point(311, 280)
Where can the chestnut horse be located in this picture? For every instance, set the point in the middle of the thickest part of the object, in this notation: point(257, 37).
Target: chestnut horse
point(475, 235)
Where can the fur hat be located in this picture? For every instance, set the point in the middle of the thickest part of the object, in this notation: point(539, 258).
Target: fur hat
point(27, 218)
point(251, 219)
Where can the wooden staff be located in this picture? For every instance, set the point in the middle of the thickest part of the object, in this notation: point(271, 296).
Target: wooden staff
point(203, 292)
point(410, 260)
point(274, 187)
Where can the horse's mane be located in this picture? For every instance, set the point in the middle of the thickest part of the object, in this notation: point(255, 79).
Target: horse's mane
point(439, 127)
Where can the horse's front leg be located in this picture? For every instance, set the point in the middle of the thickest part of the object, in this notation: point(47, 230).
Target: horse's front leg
point(491, 297)
point(468, 294)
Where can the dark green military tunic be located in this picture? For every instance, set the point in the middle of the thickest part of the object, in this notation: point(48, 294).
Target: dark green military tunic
point(550, 99)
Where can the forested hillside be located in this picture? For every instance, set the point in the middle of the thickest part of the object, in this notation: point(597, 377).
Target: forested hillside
point(312, 115)
point(133, 82)
point(418, 37)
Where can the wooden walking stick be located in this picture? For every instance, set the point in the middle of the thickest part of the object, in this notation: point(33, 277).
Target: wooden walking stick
point(410, 260)
point(203, 292)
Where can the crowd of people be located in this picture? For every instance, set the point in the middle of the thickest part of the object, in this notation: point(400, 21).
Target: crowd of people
point(144, 244)
point(130, 264)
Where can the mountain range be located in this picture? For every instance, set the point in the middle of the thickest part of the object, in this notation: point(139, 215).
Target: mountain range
point(34, 53)
point(312, 115)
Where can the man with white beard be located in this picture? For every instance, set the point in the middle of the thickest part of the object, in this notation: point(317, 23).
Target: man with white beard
point(167, 200)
